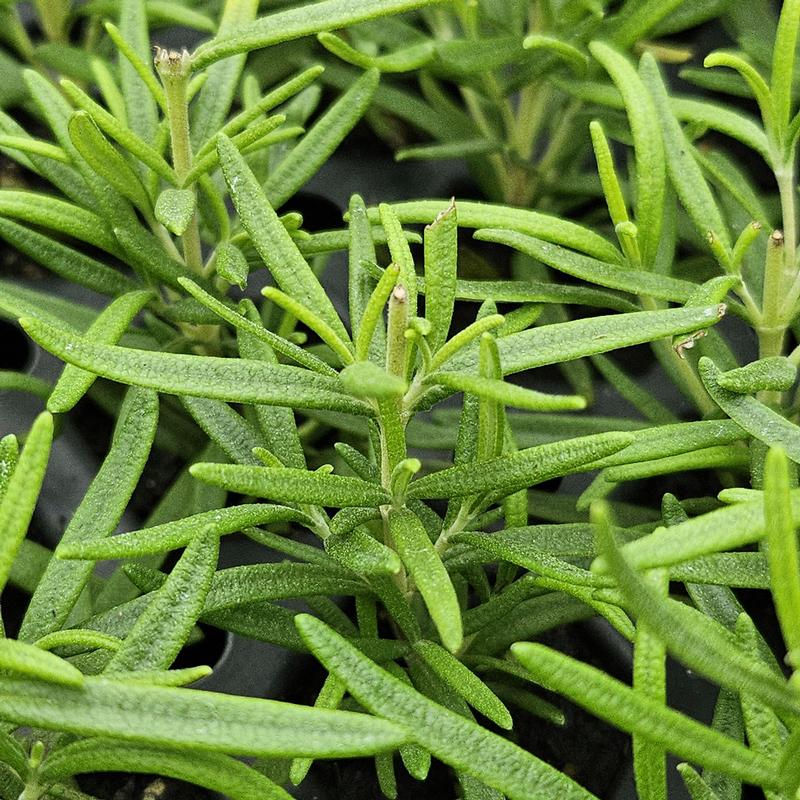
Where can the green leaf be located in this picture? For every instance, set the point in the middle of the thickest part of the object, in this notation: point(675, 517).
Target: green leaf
point(342, 348)
point(405, 59)
point(97, 515)
point(314, 149)
point(697, 787)
point(684, 171)
point(361, 247)
point(278, 424)
point(140, 106)
point(213, 771)
point(58, 215)
point(234, 435)
point(65, 262)
point(105, 160)
point(783, 58)
point(776, 374)
point(112, 127)
point(367, 379)
point(108, 328)
point(639, 19)
point(330, 696)
point(233, 380)
point(230, 264)
point(649, 680)
point(441, 262)
point(765, 732)
point(294, 23)
point(465, 148)
point(510, 546)
point(508, 473)
point(179, 533)
point(464, 682)
point(78, 638)
point(508, 394)
point(757, 419)
point(292, 485)
point(254, 583)
point(719, 530)
point(644, 716)
point(276, 97)
point(423, 563)
point(359, 552)
point(201, 720)
point(254, 329)
point(210, 110)
point(270, 238)
point(450, 737)
point(164, 626)
point(532, 223)
point(784, 563)
point(175, 209)
point(22, 491)
point(589, 269)
point(9, 455)
point(564, 50)
point(609, 180)
point(650, 166)
point(707, 458)
point(702, 647)
point(25, 659)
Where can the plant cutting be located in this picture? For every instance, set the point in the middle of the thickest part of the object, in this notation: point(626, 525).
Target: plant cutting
point(389, 456)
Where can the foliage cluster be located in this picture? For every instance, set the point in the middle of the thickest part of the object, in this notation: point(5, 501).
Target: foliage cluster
point(391, 435)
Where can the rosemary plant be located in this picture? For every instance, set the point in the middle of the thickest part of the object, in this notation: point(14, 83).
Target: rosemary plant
point(304, 418)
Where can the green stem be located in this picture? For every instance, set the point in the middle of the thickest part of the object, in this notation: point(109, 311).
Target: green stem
point(175, 72)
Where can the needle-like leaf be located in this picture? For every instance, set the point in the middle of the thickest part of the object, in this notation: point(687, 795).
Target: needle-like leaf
point(285, 484)
point(22, 491)
point(233, 380)
point(448, 736)
point(213, 771)
point(416, 551)
point(195, 719)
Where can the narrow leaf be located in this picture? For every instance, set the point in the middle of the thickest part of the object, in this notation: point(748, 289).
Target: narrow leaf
point(447, 735)
point(511, 472)
point(25, 659)
point(464, 681)
point(270, 238)
point(314, 149)
point(631, 711)
point(508, 394)
point(757, 419)
point(416, 551)
point(173, 535)
point(163, 628)
point(294, 23)
point(188, 718)
point(233, 380)
point(97, 515)
point(784, 563)
point(22, 491)
point(441, 262)
point(650, 166)
point(292, 485)
point(684, 171)
point(213, 771)
point(108, 328)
